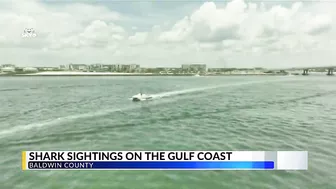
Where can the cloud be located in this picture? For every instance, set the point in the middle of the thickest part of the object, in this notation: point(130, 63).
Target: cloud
point(237, 33)
point(73, 25)
point(180, 31)
point(138, 38)
point(318, 25)
point(97, 34)
point(250, 24)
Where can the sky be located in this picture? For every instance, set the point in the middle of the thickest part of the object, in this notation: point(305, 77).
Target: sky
point(168, 33)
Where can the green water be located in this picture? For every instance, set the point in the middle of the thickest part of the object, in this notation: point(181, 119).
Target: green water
point(193, 113)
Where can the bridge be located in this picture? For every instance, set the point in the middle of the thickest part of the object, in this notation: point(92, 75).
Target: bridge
point(305, 70)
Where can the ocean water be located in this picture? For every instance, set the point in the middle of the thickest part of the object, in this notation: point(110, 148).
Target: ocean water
point(187, 113)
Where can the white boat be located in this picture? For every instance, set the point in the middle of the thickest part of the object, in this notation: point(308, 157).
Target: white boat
point(141, 97)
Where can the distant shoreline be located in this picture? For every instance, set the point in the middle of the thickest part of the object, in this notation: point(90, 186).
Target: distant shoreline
point(60, 74)
point(156, 75)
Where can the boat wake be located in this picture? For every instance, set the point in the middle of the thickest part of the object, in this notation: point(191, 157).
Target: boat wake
point(186, 91)
point(60, 120)
point(57, 121)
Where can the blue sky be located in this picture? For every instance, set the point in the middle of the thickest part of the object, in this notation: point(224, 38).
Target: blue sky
point(142, 14)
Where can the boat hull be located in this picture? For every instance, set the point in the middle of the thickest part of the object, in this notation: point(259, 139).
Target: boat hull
point(140, 99)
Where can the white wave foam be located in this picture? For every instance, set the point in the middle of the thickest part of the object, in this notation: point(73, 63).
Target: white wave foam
point(59, 120)
point(172, 93)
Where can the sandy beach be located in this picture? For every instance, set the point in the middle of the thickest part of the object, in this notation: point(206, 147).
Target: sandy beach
point(83, 74)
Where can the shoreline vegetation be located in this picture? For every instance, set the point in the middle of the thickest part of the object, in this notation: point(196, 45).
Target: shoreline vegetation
point(65, 73)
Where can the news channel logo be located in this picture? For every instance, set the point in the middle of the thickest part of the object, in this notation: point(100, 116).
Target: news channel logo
point(28, 33)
